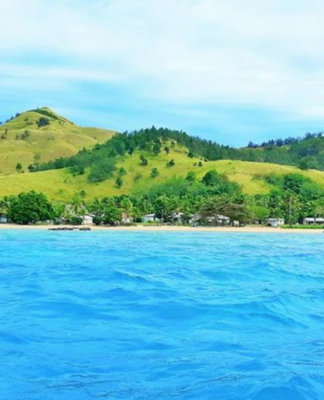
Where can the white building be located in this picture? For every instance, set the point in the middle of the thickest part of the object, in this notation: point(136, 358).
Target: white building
point(149, 218)
point(275, 222)
point(313, 221)
point(87, 219)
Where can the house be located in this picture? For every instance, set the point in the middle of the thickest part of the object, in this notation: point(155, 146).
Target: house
point(149, 218)
point(126, 219)
point(215, 220)
point(313, 221)
point(3, 219)
point(275, 222)
point(87, 219)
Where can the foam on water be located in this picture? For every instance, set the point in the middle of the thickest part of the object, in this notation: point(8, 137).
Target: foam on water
point(126, 315)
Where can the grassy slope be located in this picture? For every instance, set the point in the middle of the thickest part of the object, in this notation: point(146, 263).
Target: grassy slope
point(61, 185)
point(60, 139)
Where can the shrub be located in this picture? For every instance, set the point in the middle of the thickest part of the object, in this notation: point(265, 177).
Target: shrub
point(43, 121)
point(155, 172)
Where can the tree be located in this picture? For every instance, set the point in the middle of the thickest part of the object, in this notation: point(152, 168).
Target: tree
point(30, 207)
point(167, 150)
point(43, 121)
point(212, 178)
point(191, 176)
point(119, 182)
point(260, 213)
point(191, 154)
point(170, 163)
point(18, 167)
point(144, 161)
point(292, 206)
point(157, 147)
point(122, 171)
point(127, 207)
point(155, 172)
point(112, 215)
point(77, 206)
point(25, 135)
point(233, 208)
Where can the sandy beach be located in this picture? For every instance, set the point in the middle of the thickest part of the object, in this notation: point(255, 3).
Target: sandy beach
point(167, 228)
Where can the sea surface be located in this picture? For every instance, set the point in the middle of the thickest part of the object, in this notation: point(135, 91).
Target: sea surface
point(161, 315)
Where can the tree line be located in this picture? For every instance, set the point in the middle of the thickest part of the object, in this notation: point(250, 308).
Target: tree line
point(305, 153)
point(293, 197)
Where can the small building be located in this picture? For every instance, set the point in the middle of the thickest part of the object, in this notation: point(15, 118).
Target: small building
point(149, 218)
point(3, 219)
point(313, 221)
point(87, 219)
point(215, 220)
point(126, 219)
point(218, 220)
point(275, 222)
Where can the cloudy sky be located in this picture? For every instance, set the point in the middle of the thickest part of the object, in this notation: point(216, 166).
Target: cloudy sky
point(227, 70)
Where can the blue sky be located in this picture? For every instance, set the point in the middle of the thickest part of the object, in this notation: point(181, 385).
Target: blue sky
point(226, 70)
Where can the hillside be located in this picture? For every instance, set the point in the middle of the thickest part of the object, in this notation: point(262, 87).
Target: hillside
point(61, 185)
point(128, 163)
point(45, 135)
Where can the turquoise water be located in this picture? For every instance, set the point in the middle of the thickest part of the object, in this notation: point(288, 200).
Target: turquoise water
point(116, 315)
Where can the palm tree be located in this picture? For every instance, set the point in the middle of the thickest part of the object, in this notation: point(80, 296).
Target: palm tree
point(292, 204)
point(127, 207)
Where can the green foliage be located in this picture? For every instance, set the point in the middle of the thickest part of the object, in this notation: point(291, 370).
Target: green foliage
point(43, 121)
point(191, 176)
point(170, 163)
point(234, 208)
point(77, 170)
point(102, 170)
point(74, 220)
point(213, 178)
point(97, 220)
point(157, 147)
point(122, 171)
point(18, 167)
point(155, 172)
point(144, 161)
point(260, 213)
point(119, 182)
point(25, 135)
point(46, 113)
point(30, 207)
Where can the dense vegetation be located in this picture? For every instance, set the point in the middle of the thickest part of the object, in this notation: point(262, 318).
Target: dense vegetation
point(305, 153)
point(294, 198)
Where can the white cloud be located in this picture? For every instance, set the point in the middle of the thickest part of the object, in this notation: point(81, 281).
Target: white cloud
point(256, 52)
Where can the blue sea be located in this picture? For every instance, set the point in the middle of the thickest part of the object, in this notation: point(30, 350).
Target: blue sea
point(160, 315)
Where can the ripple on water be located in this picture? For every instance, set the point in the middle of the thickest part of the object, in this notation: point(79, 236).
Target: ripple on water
point(125, 315)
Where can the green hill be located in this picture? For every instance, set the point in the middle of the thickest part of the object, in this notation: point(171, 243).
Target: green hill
point(60, 184)
point(45, 135)
point(77, 160)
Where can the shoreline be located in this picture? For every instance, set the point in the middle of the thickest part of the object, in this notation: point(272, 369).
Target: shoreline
point(141, 228)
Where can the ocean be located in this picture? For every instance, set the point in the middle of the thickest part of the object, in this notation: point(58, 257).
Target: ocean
point(161, 315)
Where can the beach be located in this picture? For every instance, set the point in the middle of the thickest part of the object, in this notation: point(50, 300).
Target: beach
point(168, 228)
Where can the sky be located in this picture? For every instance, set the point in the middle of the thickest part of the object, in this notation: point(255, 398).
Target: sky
point(231, 71)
